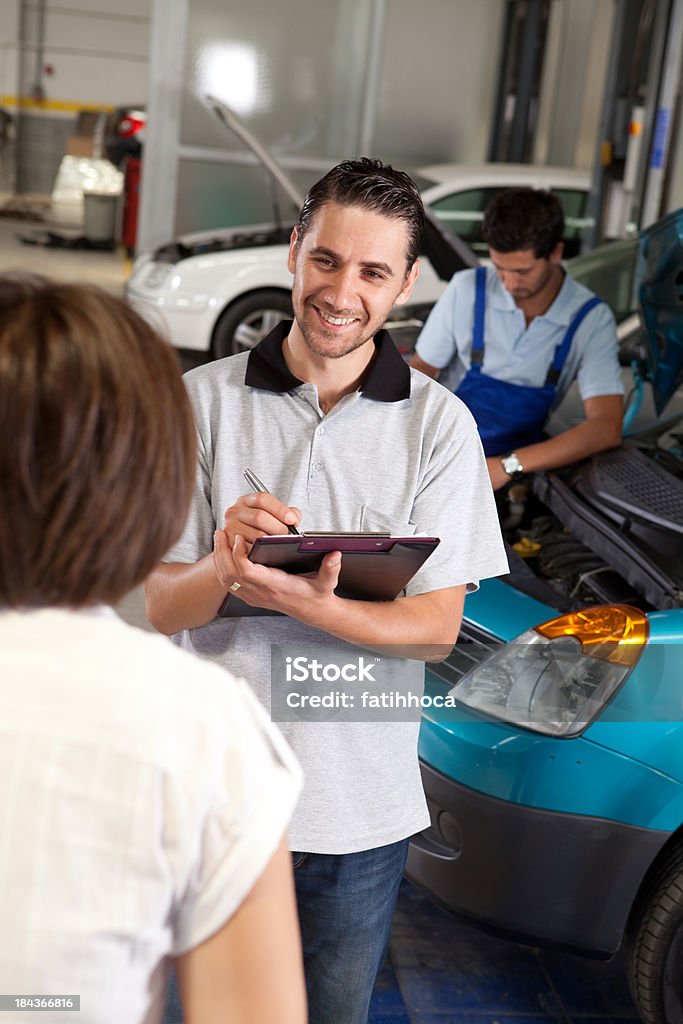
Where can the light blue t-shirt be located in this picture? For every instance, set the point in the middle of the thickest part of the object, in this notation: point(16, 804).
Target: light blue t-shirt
point(517, 353)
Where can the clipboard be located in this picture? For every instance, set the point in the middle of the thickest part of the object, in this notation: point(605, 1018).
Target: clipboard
point(374, 567)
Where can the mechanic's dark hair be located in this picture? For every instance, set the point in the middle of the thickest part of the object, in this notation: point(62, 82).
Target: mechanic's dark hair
point(99, 453)
point(374, 186)
point(524, 218)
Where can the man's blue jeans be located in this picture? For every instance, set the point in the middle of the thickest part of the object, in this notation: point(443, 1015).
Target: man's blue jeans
point(346, 903)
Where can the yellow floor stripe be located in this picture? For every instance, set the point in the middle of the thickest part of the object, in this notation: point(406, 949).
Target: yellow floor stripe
point(53, 106)
point(127, 263)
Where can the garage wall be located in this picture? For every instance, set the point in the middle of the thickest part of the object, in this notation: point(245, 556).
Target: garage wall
point(329, 79)
point(58, 58)
point(319, 82)
point(412, 83)
point(9, 48)
point(9, 84)
point(436, 90)
point(573, 81)
point(279, 67)
point(675, 176)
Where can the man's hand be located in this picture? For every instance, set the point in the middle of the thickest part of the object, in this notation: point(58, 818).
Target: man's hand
point(499, 478)
point(274, 589)
point(257, 515)
point(424, 626)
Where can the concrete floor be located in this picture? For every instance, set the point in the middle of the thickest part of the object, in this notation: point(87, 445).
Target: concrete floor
point(107, 269)
point(439, 969)
point(442, 971)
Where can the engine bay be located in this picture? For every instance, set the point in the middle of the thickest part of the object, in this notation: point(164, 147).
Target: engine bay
point(609, 530)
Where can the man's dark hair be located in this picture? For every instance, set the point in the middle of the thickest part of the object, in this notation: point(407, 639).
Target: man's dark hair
point(99, 452)
point(374, 186)
point(524, 218)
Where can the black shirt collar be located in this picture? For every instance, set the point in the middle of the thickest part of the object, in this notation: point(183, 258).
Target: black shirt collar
point(266, 366)
point(387, 380)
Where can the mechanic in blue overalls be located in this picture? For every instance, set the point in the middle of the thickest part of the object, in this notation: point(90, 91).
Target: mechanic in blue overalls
point(512, 338)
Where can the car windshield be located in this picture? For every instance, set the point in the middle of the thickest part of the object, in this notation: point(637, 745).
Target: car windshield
point(462, 212)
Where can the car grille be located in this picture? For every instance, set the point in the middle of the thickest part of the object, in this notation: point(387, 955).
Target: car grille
point(472, 647)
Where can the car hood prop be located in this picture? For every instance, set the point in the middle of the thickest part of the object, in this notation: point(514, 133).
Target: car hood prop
point(229, 118)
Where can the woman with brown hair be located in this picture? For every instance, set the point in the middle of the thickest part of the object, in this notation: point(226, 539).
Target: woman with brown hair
point(145, 795)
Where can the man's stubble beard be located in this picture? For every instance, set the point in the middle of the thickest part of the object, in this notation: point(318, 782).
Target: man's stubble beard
point(309, 334)
point(318, 350)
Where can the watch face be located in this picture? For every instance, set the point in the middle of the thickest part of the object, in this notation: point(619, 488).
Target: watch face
point(512, 465)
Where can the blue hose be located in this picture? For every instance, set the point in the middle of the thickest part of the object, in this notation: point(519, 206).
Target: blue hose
point(636, 399)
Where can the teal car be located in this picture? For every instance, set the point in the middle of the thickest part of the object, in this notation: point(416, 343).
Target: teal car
point(555, 784)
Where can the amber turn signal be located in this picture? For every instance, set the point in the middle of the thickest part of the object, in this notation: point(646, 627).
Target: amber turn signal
point(610, 632)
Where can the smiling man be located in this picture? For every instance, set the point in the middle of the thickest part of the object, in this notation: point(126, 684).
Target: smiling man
point(511, 340)
point(348, 438)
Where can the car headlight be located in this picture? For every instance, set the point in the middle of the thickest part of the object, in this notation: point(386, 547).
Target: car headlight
point(557, 677)
point(157, 274)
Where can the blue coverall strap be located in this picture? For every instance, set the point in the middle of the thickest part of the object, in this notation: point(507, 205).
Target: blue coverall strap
point(477, 353)
point(562, 350)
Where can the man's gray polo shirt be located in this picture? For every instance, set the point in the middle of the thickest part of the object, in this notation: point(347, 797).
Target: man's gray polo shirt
point(403, 455)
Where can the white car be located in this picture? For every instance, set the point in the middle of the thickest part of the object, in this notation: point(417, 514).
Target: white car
point(221, 291)
point(459, 193)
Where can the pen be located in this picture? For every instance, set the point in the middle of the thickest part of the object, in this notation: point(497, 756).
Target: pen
point(256, 485)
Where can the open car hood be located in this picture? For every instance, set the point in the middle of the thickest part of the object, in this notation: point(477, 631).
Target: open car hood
point(231, 121)
point(660, 296)
point(447, 252)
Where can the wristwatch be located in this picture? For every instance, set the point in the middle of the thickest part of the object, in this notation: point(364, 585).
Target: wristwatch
point(512, 466)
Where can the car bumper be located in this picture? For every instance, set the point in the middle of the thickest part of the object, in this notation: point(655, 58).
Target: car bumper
point(534, 875)
point(186, 324)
